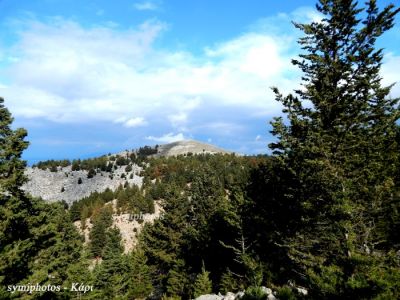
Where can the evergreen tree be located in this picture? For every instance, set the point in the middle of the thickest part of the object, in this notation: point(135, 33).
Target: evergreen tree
point(37, 240)
point(101, 222)
point(162, 244)
point(140, 284)
point(15, 236)
point(340, 155)
point(112, 275)
point(203, 284)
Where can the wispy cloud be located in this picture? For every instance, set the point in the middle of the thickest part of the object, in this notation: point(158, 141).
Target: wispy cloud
point(146, 5)
point(131, 122)
point(167, 138)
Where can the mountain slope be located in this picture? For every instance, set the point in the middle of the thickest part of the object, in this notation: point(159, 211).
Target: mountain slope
point(189, 146)
point(56, 183)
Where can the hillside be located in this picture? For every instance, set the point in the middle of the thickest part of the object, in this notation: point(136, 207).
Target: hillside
point(189, 146)
point(71, 181)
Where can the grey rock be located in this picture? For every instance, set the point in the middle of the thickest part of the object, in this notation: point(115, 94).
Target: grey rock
point(239, 295)
point(302, 291)
point(229, 296)
point(210, 297)
point(48, 185)
point(266, 290)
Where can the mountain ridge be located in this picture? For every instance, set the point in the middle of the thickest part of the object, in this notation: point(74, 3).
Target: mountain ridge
point(67, 182)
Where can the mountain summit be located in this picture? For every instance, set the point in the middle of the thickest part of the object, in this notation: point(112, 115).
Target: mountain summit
point(188, 146)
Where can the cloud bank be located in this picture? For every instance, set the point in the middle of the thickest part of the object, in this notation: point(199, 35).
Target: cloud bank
point(61, 71)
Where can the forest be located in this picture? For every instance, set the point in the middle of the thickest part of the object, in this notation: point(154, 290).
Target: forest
point(321, 212)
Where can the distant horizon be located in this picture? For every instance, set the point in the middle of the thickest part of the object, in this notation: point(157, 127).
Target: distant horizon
point(100, 77)
point(94, 155)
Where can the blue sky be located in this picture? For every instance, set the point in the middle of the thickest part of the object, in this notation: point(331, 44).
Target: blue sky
point(91, 77)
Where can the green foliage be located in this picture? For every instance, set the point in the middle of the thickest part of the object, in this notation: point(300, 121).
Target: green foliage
point(286, 293)
point(140, 285)
point(91, 173)
point(38, 243)
point(102, 220)
point(229, 282)
point(112, 275)
point(203, 284)
point(176, 282)
point(254, 293)
point(339, 154)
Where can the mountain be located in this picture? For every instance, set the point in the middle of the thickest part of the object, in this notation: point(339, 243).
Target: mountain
point(189, 146)
point(63, 180)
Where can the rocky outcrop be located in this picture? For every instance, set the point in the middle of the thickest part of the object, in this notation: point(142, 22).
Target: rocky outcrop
point(267, 292)
point(63, 184)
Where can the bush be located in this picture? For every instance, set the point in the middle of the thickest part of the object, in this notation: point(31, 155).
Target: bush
point(255, 293)
point(286, 293)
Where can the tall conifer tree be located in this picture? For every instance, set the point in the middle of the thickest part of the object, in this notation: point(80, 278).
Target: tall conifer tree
point(15, 235)
point(339, 146)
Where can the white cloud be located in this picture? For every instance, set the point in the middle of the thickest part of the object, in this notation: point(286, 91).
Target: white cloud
point(64, 72)
point(135, 122)
point(258, 137)
point(145, 5)
point(390, 73)
point(167, 138)
point(131, 122)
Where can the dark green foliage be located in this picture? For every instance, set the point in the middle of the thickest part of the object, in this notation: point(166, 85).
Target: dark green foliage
point(112, 275)
point(128, 168)
point(52, 164)
point(15, 231)
point(199, 215)
point(130, 199)
point(37, 240)
point(79, 180)
point(339, 155)
point(147, 151)
point(229, 282)
point(140, 283)
point(286, 293)
point(121, 161)
point(91, 173)
point(101, 220)
point(203, 284)
point(255, 293)
point(76, 165)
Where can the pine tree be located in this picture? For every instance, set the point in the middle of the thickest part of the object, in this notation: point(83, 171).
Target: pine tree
point(37, 240)
point(140, 285)
point(112, 275)
point(203, 284)
point(15, 207)
point(340, 152)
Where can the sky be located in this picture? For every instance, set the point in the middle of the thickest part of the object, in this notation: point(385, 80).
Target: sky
point(87, 78)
